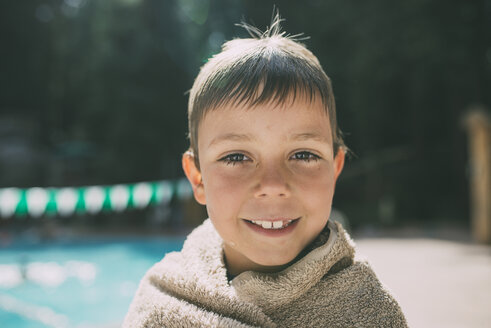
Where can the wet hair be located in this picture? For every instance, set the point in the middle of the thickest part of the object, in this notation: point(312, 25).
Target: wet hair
point(270, 67)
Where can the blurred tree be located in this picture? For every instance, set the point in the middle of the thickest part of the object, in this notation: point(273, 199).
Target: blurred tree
point(109, 78)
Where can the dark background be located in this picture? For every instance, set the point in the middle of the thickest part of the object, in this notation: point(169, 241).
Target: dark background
point(93, 92)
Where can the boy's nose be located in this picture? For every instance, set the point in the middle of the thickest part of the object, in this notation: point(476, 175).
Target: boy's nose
point(272, 182)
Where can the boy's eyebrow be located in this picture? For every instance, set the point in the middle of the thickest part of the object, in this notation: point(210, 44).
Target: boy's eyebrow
point(247, 137)
point(231, 137)
point(309, 136)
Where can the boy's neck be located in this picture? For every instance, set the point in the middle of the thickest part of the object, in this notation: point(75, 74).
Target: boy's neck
point(247, 265)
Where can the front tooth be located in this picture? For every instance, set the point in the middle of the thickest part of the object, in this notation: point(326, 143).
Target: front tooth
point(266, 224)
point(277, 224)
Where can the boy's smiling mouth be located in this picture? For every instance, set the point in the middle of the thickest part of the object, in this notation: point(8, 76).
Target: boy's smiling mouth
point(272, 224)
point(275, 227)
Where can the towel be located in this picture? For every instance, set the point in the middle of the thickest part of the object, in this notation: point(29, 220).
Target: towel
point(326, 287)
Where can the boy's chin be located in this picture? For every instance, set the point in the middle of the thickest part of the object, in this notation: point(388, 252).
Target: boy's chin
point(265, 261)
point(274, 264)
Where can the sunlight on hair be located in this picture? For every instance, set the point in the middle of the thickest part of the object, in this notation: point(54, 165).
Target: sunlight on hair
point(272, 31)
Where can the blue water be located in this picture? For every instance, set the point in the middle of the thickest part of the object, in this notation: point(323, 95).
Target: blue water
point(97, 296)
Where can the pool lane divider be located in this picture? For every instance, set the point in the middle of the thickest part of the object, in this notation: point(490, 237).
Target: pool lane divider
point(67, 201)
point(41, 314)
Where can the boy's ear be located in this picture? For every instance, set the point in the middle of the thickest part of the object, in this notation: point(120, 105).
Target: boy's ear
point(339, 163)
point(194, 177)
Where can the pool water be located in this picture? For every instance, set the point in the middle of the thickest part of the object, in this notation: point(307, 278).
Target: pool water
point(79, 284)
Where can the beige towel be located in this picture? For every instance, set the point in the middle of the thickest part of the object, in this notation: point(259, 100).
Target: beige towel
point(324, 288)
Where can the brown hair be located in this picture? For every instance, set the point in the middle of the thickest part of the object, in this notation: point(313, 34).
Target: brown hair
point(269, 67)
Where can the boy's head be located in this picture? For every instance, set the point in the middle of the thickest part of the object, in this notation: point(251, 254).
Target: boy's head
point(265, 148)
point(268, 68)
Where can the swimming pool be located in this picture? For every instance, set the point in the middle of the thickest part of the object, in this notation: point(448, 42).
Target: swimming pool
point(81, 284)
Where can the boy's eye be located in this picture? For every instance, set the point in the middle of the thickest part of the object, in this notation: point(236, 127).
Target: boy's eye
point(305, 156)
point(233, 159)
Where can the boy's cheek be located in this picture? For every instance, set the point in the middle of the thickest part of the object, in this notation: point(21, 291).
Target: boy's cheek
point(227, 177)
point(224, 193)
point(313, 180)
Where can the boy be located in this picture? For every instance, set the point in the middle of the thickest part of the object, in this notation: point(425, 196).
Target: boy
point(264, 158)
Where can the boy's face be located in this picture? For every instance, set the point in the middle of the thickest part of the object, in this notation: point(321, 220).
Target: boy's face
point(271, 165)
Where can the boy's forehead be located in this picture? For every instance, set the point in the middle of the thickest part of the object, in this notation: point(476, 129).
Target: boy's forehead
point(298, 121)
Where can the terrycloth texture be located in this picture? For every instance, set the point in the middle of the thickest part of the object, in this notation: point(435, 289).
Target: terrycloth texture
point(325, 288)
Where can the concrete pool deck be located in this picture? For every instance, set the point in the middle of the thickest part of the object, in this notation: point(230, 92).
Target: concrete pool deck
point(438, 283)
